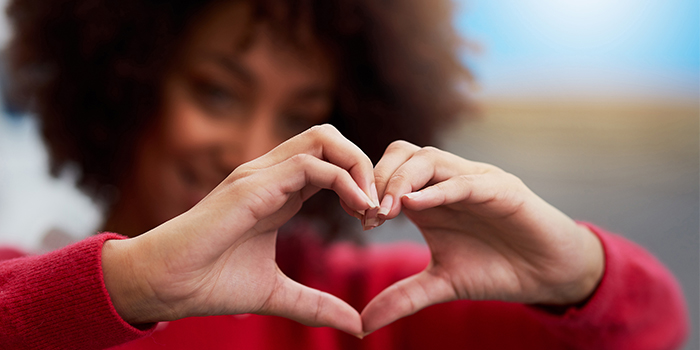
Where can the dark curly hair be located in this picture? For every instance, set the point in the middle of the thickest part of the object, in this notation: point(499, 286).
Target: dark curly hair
point(91, 70)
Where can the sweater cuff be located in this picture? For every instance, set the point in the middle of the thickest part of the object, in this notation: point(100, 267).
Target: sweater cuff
point(61, 300)
point(596, 305)
point(636, 293)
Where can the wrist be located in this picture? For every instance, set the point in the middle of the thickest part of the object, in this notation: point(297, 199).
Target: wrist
point(595, 265)
point(582, 288)
point(127, 285)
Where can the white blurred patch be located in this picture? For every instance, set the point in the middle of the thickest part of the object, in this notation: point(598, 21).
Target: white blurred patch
point(32, 203)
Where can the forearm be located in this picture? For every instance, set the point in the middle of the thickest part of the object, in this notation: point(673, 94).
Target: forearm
point(58, 300)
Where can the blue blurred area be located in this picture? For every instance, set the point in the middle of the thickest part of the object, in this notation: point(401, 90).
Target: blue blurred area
point(632, 47)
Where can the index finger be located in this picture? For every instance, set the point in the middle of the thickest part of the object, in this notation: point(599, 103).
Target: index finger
point(327, 143)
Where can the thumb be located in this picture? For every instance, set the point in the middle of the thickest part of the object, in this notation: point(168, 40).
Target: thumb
point(404, 298)
point(311, 307)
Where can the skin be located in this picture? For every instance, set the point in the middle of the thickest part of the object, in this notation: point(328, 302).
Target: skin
point(491, 238)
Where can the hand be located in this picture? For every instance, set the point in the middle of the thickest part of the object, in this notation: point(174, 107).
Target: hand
point(219, 257)
point(490, 237)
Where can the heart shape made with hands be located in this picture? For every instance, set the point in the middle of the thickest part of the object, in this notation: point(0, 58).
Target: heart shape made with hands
point(489, 236)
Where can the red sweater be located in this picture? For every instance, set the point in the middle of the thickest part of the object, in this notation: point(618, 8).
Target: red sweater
point(59, 301)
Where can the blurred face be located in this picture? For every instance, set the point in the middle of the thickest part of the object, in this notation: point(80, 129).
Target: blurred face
point(223, 105)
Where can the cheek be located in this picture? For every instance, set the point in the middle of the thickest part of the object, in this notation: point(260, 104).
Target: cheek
point(187, 130)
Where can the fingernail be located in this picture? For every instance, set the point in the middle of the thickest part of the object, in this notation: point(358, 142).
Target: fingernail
point(373, 194)
point(385, 208)
point(413, 195)
point(366, 198)
point(358, 215)
point(371, 220)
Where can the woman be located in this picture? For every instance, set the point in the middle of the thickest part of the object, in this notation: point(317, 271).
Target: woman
point(158, 102)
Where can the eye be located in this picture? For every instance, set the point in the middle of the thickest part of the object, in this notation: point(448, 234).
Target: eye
point(216, 98)
point(215, 93)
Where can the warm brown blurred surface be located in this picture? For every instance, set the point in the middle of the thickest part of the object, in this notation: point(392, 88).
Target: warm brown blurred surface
point(568, 151)
point(631, 167)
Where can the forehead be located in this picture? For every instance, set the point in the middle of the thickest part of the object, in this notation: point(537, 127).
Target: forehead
point(230, 29)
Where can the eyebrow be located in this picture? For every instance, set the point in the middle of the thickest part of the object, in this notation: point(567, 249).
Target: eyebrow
point(233, 67)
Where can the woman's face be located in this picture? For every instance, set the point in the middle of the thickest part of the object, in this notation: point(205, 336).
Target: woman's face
point(223, 106)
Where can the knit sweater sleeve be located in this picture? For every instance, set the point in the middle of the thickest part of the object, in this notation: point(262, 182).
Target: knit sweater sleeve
point(638, 304)
point(59, 301)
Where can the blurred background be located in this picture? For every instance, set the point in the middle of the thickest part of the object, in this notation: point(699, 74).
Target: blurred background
point(594, 104)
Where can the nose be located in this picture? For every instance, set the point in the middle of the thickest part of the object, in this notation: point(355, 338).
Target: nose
point(251, 139)
point(261, 138)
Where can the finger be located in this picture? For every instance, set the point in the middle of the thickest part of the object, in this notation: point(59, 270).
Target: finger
point(311, 307)
point(304, 170)
point(408, 176)
point(327, 143)
point(396, 154)
point(404, 298)
point(245, 202)
point(469, 190)
point(427, 166)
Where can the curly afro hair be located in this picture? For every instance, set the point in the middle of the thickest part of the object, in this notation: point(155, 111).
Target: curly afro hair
point(91, 71)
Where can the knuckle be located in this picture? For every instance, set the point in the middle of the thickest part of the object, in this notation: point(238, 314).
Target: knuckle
point(323, 130)
point(241, 172)
point(320, 134)
point(317, 319)
point(300, 159)
point(381, 176)
point(315, 132)
point(328, 127)
point(513, 180)
point(429, 150)
point(429, 154)
point(464, 182)
point(489, 168)
point(401, 146)
point(398, 178)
